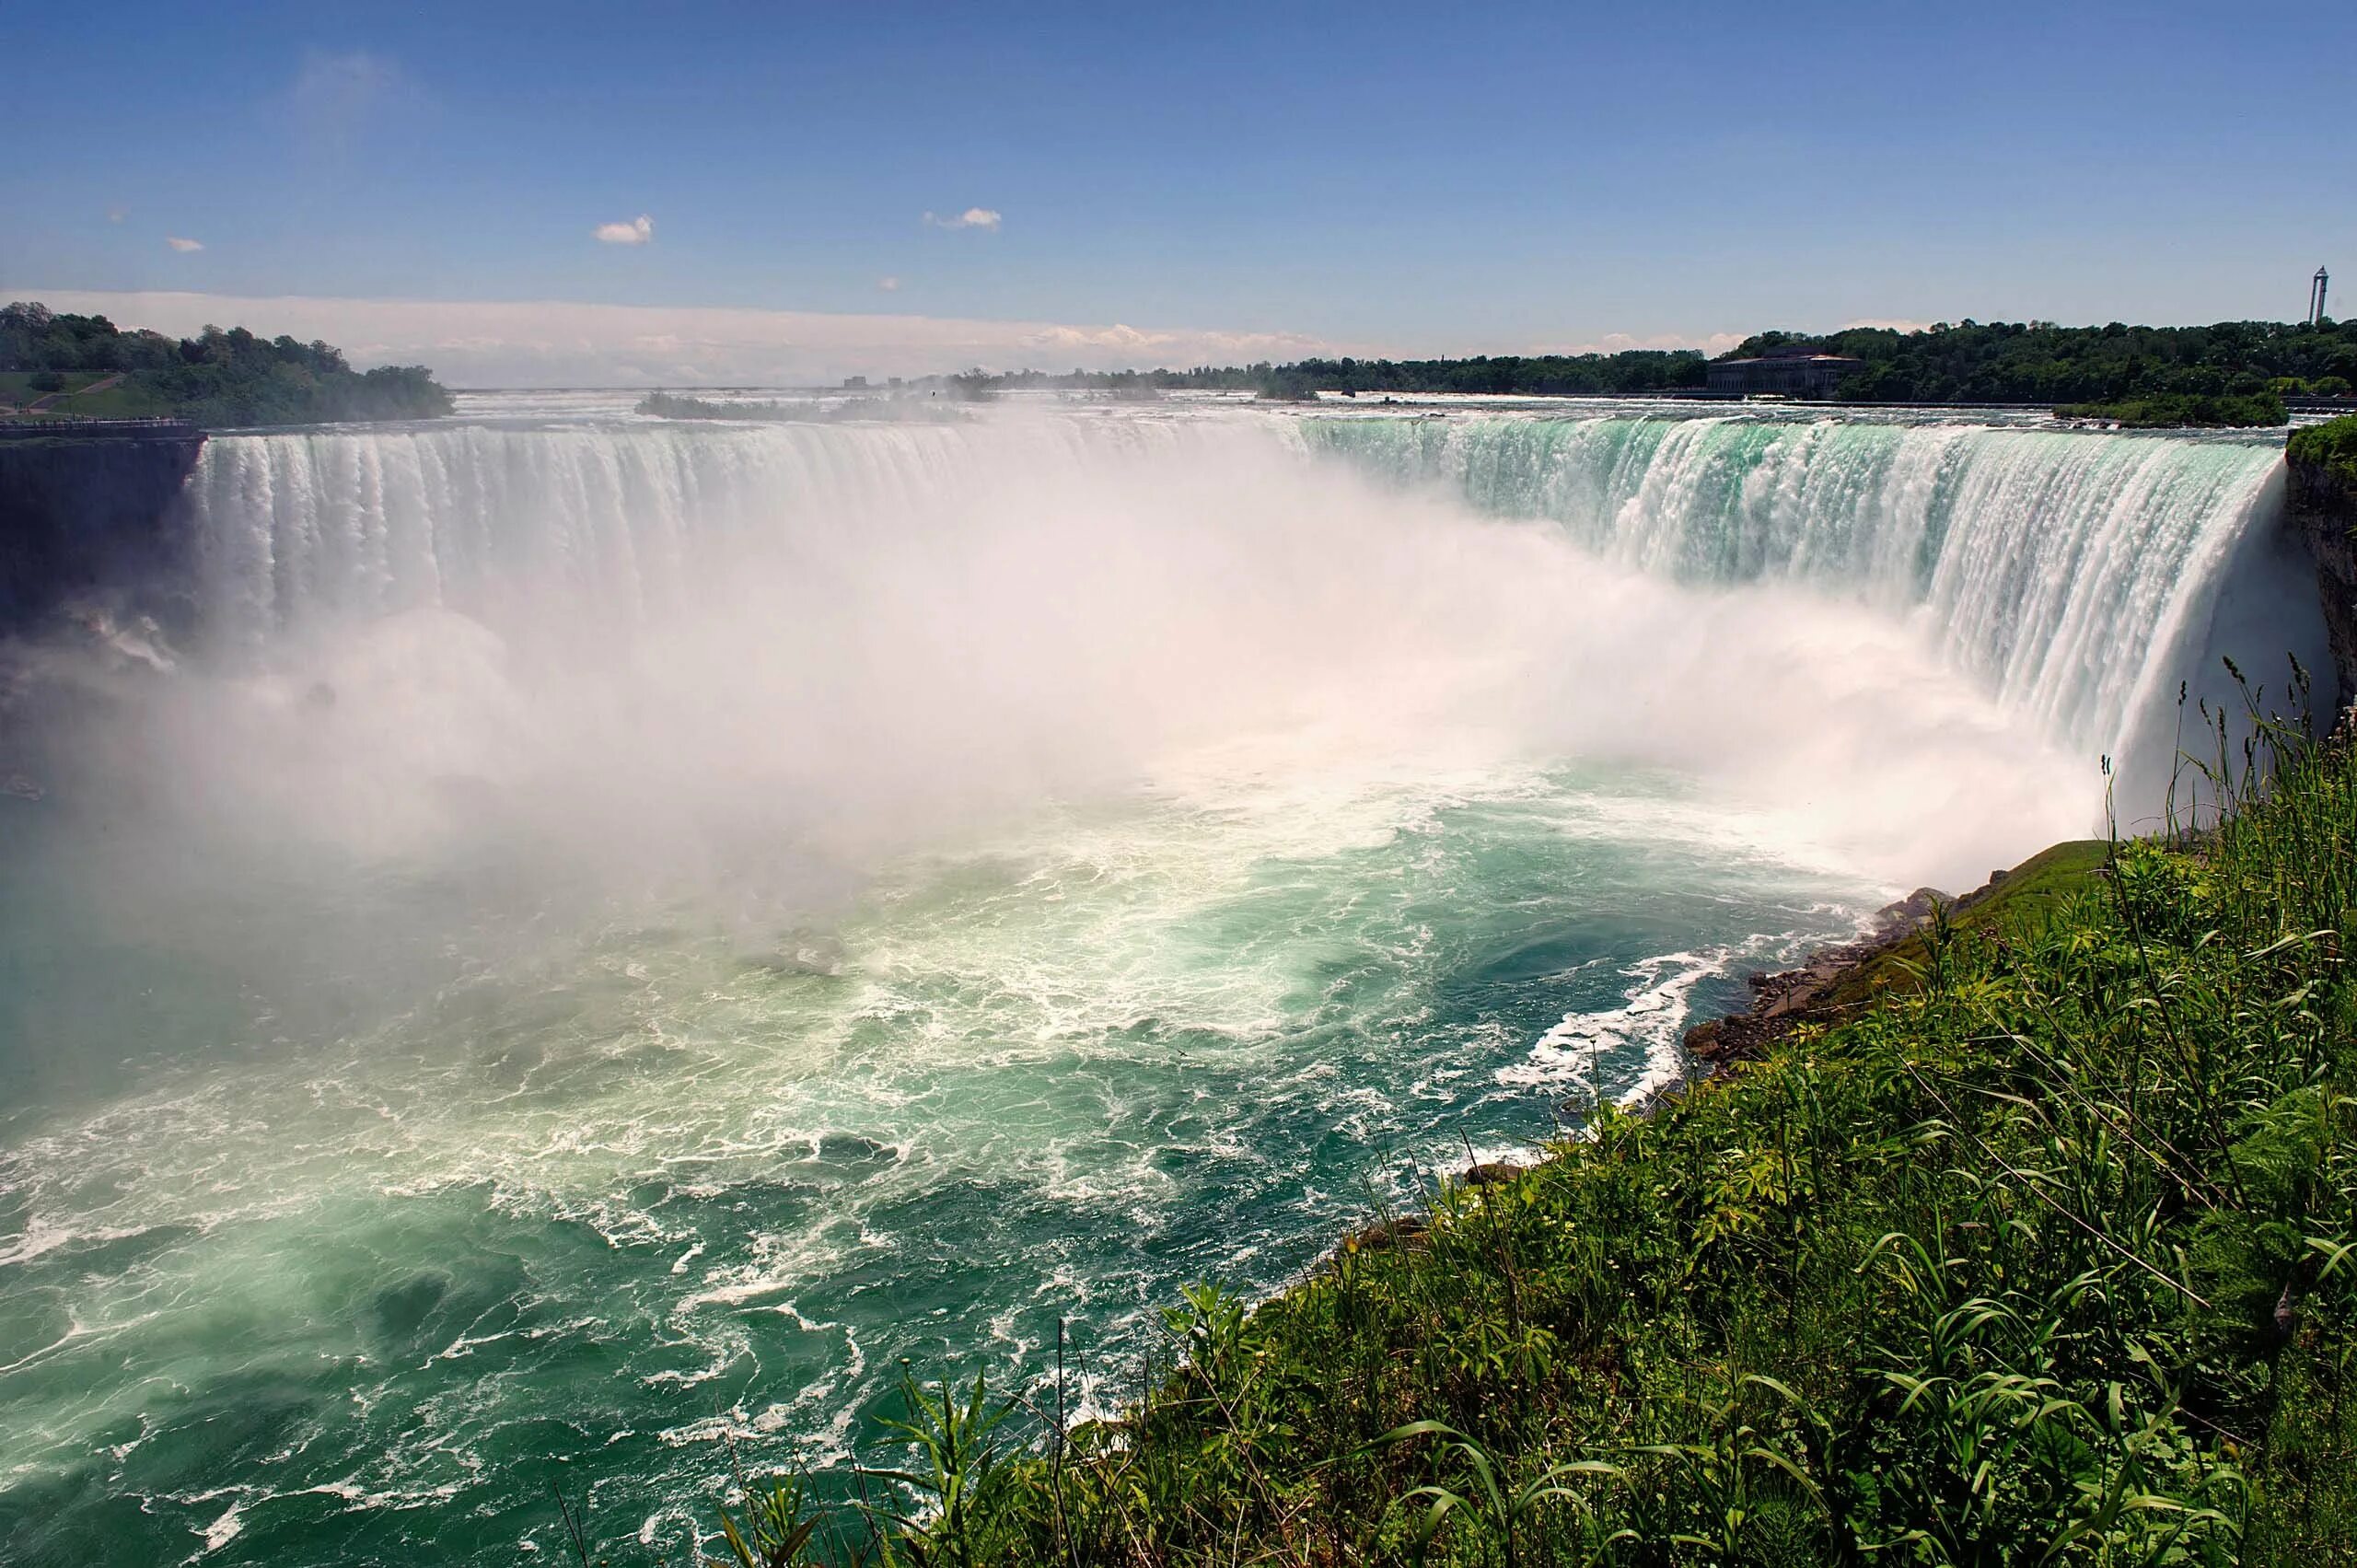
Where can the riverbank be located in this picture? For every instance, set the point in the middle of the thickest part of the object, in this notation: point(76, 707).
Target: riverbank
point(2043, 1246)
point(1834, 982)
point(1837, 982)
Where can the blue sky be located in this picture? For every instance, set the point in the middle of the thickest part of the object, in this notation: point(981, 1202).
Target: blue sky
point(1403, 178)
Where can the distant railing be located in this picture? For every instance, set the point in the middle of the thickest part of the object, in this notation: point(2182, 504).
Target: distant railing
point(149, 428)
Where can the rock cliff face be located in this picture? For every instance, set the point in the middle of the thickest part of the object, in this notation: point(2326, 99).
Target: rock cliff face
point(2321, 504)
point(82, 513)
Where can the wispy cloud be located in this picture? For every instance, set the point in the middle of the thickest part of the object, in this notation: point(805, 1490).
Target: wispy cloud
point(972, 217)
point(118, 213)
point(338, 96)
point(552, 344)
point(889, 285)
point(638, 231)
point(177, 243)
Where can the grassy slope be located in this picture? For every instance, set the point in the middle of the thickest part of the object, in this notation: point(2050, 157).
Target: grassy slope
point(2049, 1255)
point(2028, 894)
point(120, 401)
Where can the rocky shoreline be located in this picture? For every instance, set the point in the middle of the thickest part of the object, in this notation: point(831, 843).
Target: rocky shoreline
point(1831, 982)
point(1783, 999)
point(1780, 1000)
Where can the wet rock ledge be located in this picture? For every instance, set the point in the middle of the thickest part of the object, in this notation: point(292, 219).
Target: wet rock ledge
point(1838, 980)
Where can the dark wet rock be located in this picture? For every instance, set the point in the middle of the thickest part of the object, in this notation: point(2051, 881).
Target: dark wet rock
point(85, 512)
point(1784, 998)
point(1491, 1173)
point(2320, 508)
point(1384, 1234)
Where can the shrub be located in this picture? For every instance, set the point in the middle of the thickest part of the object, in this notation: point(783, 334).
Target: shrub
point(2172, 410)
point(2331, 446)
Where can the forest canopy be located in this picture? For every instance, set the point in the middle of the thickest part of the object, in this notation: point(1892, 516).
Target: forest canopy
point(2038, 362)
point(220, 378)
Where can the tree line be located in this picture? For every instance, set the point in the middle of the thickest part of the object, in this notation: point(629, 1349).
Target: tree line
point(1997, 362)
point(2039, 361)
point(217, 377)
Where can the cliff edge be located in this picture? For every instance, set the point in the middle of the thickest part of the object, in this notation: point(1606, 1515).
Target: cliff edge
point(91, 508)
point(2320, 504)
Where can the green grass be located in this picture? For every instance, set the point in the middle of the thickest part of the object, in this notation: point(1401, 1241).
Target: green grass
point(121, 402)
point(2023, 900)
point(2046, 1254)
point(17, 388)
point(124, 402)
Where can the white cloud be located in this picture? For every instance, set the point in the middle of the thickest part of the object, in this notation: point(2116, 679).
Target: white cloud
point(555, 344)
point(1116, 336)
point(559, 344)
point(889, 285)
point(1712, 343)
point(638, 231)
point(972, 217)
point(183, 246)
point(117, 214)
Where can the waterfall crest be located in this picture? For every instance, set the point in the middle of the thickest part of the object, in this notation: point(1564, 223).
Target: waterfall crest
point(2074, 576)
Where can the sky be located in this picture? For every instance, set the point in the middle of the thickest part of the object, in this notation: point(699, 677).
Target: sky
point(780, 192)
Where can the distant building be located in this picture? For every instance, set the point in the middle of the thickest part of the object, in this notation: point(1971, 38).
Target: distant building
point(2316, 286)
point(1794, 371)
point(854, 383)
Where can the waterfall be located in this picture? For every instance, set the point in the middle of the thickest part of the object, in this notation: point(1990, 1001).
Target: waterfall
point(2075, 576)
point(589, 901)
point(298, 528)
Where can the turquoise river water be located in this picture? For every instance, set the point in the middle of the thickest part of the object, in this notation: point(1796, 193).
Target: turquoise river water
point(605, 935)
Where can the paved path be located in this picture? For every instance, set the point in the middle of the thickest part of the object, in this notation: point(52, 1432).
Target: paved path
point(39, 405)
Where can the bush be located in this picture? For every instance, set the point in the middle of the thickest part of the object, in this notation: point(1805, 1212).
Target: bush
point(2331, 446)
point(2175, 409)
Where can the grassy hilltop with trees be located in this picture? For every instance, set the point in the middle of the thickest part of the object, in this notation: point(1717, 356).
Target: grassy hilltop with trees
point(87, 365)
point(2041, 1249)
